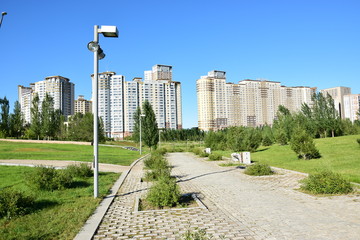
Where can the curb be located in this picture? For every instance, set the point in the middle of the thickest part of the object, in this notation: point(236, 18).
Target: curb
point(93, 222)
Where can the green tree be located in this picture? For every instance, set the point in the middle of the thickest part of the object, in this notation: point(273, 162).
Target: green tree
point(35, 127)
point(47, 116)
point(303, 145)
point(5, 118)
point(17, 121)
point(149, 126)
point(81, 128)
point(136, 132)
point(283, 126)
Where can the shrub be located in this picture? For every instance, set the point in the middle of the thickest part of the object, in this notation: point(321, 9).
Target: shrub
point(215, 156)
point(303, 145)
point(259, 169)
point(44, 178)
point(159, 166)
point(326, 182)
point(81, 170)
point(197, 234)
point(164, 193)
point(204, 154)
point(14, 203)
point(197, 151)
point(267, 141)
point(358, 141)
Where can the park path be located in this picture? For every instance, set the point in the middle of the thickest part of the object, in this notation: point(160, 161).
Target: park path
point(269, 207)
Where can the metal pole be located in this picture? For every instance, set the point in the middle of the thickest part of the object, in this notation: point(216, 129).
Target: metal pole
point(2, 16)
point(96, 136)
point(140, 132)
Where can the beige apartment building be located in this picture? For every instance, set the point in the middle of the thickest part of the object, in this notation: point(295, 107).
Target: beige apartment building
point(247, 103)
point(352, 106)
point(58, 87)
point(119, 99)
point(82, 105)
point(338, 93)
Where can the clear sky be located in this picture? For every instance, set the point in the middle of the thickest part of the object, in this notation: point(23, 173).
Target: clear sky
point(312, 43)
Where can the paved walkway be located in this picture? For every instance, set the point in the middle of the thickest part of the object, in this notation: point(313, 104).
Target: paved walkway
point(239, 207)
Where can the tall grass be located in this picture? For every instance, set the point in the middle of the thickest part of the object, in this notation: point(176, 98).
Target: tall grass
point(58, 214)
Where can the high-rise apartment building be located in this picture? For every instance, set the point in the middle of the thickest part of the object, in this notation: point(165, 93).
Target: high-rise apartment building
point(338, 93)
point(119, 99)
point(82, 105)
point(25, 96)
point(352, 106)
point(58, 87)
point(247, 103)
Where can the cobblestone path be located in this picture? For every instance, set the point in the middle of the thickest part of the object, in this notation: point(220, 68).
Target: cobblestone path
point(269, 206)
point(239, 207)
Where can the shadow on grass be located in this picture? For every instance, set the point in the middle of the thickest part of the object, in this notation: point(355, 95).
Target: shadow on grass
point(261, 150)
point(42, 204)
point(80, 184)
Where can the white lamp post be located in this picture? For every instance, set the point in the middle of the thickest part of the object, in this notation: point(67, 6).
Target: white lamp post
point(2, 16)
point(141, 115)
point(107, 31)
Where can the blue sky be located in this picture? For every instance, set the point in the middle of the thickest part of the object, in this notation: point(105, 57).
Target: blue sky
point(299, 43)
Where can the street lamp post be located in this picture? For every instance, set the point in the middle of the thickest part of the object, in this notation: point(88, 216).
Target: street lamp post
point(141, 115)
point(107, 31)
point(2, 16)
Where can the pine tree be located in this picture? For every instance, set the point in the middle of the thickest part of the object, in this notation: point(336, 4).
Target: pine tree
point(35, 128)
point(17, 121)
point(150, 134)
point(303, 145)
point(5, 118)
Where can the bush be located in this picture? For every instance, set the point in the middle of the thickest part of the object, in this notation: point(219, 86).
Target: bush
point(358, 141)
point(204, 154)
point(259, 169)
point(303, 145)
point(326, 182)
point(14, 203)
point(159, 167)
point(267, 141)
point(215, 157)
point(81, 170)
point(197, 234)
point(197, 151)
point(164, 193)
point(44, 178)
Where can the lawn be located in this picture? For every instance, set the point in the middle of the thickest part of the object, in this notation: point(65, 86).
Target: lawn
point(339, 154)
point(71, 152)
point(58, 214)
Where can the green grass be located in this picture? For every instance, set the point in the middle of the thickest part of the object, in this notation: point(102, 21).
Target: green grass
point(58, 214)
point(339, 154)
point(72, 152)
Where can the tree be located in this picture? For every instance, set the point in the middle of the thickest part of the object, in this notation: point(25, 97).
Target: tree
point(136, 132)
point(17, 121)
point(81, 128)
point(47, 116)
point(35, 127)
point(303, 145)
point(283, 125)
point(149, 126)
point(5, 118)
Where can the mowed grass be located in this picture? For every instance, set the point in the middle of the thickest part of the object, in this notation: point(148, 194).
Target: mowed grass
point(58, 214)
point(71, 152)
point(339, 154)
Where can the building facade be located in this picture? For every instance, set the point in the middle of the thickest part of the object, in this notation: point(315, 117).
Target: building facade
point(81, 105)
point(352, 106)
point(338, 93)
point(58, 87)
point(247, 103)
point(118, 100)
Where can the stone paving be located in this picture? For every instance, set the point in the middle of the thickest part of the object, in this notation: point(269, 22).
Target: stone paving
point(238, 207)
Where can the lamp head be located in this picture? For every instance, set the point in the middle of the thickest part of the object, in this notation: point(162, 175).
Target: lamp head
point(109, 31)
point(93, 46)
point(3, 13)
